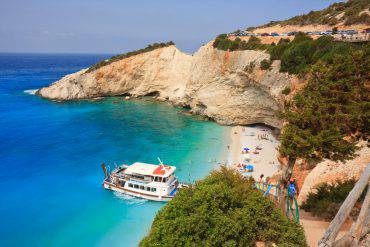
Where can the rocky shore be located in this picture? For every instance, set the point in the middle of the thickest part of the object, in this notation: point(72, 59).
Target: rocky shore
point(228, 87)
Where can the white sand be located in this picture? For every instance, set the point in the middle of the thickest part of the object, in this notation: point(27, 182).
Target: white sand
point(265, 162)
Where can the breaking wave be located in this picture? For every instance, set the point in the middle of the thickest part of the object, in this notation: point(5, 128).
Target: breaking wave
point(127, 199)
point(30, 91)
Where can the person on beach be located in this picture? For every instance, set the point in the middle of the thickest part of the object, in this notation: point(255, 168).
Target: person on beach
point(292, 190)
point(260, 181)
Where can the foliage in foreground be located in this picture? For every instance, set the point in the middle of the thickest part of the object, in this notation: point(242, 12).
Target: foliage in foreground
point(149, 48)
point(328, 198)
point(222, 210)
point(332, 112)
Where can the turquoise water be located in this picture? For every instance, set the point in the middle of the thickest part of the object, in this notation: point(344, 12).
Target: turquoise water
point(50, 156)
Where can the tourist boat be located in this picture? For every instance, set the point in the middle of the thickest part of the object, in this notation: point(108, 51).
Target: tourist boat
point(151, 182)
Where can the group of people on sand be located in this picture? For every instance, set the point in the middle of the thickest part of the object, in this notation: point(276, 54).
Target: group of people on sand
point(263, 182)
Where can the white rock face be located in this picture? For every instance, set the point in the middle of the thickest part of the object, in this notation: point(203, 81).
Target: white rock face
point(330, 172)
point(221, 85)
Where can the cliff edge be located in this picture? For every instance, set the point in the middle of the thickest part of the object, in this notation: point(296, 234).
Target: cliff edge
point(228, 87)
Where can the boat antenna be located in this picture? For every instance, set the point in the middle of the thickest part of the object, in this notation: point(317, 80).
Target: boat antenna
point(160, 161)
point(105, 170)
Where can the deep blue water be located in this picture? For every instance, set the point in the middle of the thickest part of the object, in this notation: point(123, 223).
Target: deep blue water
point(50, 155)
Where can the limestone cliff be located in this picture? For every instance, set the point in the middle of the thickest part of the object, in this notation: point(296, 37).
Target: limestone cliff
point(330, 172)
point(228, 87)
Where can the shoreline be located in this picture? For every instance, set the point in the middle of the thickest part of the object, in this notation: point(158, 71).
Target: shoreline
point(264, 158)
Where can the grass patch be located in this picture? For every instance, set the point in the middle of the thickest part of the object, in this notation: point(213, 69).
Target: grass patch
point(149, 48)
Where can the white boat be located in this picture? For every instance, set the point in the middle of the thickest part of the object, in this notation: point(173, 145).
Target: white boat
point(151, 182)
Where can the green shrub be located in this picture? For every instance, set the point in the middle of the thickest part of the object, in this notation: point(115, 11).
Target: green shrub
point(328, 198)
point(265, 64)
point(286, 90)
point(277, 51)
point(302, 52)
point(149, 48)
point(222, 42)
point(222, 210)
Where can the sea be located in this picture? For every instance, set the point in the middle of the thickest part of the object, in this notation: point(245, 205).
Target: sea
point(51, 155)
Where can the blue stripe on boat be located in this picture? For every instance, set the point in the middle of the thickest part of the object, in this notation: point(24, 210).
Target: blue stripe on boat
point(173, 192)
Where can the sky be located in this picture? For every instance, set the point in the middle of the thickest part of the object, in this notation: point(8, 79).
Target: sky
point(117, 26)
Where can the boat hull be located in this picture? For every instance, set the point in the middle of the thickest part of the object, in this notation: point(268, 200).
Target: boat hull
point(109, 186)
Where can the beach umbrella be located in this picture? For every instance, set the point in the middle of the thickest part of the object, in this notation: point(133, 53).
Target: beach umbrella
point(250, 167)
point(246, 149)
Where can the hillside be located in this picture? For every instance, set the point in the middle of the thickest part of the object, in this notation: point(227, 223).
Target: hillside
point(352, 12)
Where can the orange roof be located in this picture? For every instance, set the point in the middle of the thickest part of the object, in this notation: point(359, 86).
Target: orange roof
point(161, 170)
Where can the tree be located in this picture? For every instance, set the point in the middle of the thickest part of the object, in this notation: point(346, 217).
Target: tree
point(222, 210)
point(326, 119)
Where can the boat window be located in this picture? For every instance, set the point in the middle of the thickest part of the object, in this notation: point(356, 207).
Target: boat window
point(148, 188)
point(136, 186)
point(156, 179)
point(154, 189)
point(164, 180)
point(141, 187)
point(130, 185)
point(138, 177)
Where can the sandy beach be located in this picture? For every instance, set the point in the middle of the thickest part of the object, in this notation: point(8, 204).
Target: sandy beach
point(262, 147)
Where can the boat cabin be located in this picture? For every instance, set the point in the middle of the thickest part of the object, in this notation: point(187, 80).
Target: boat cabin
point(146, 179)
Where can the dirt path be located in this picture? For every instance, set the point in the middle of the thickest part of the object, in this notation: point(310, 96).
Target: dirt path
point(315, 228)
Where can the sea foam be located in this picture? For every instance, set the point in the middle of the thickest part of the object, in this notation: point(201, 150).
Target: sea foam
point(30, 91)
point(130, 199)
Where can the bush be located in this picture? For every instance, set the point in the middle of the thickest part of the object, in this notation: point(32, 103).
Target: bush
point(265, 64)
point(149, 48)
point(277, 51)
point(302, 52)
point(286, 91)
point(222, 210)
point(326, 201)
point(222, 42)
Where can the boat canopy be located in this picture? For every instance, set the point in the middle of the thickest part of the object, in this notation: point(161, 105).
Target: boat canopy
point(150, 170)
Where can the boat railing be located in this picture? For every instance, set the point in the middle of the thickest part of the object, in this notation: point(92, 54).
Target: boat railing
point(138, 181)
point(184, 184)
